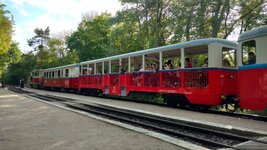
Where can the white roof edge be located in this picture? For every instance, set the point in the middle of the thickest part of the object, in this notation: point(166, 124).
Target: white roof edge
point(166, 48)
point(62, 67)
point(257, 32)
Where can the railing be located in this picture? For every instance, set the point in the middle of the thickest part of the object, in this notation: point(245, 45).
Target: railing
point(136, 79)
point(151, 79)
point(171, 79)
point(196, 78)
point(188, 78)
point(92, 80)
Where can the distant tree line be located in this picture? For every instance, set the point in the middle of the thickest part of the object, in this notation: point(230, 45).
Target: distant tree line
point(141, 24)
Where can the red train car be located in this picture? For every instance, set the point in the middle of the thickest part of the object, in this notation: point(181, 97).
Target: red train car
point(36, 80)
point(211, 80)
point(62, 78)
point(253, 69)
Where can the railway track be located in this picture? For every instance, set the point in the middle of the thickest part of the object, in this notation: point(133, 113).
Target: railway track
point(235, 114)
point(193, 133)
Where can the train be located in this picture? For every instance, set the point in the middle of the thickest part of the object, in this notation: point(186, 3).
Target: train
point(199, 73)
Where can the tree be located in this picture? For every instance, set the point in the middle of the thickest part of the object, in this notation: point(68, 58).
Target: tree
point(5, 29)
point(40, 44)
point(210, 18)
point(11, 57)
point(5, 37)
point(40, 40)
point(57, 46)
point(20, 69)
point(153, 19)
point(91, 40)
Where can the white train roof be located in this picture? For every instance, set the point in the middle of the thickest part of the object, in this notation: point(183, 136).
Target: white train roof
point(37, 70)
point(261, 31)
point(62, 67)
point(166, 48)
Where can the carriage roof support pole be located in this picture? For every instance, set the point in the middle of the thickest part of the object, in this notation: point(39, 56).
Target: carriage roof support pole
point(120, 65)
point(87, 69)
point(109, 66)
point(143, 61)
point(94, 68)
point(103, 67)
point(129, 64)
point(182, 58)
point(160, 60)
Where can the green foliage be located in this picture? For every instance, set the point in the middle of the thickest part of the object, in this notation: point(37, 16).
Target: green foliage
point(6, 27)
point(40, 40)
point(19, 70)
point(91, 40)
point(12, 56)
point(5, 30)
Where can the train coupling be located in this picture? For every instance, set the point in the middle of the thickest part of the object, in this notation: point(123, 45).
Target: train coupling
point(229, 99)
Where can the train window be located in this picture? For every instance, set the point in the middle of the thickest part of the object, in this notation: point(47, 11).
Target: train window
point(84, 69)
point(228, 57)
point(152, 62)
point(171, 59)
point(249, 52)
point(136, 63)
point(53, 74)
point(196, 56)
point(66, 72)
point(99, 68)
point(91, 69)
point(58, 73)
point(124, 65)
point(50, 74)
point(115, 67)
point(106, 65)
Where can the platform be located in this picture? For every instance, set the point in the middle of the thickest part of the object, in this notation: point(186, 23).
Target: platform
point(30, 124)
point(192, 116)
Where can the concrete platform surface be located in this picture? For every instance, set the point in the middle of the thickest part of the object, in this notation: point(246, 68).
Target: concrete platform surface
point(204, 118)
point(29, 124)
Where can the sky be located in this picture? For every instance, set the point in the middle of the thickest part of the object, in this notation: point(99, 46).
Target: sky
point(59, 15)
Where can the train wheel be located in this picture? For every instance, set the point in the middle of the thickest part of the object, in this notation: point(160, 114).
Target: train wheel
point(231, 107)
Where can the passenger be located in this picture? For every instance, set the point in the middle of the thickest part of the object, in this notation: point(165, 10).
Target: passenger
point(166, 66)
point(122, 70)
point(226, 63)
point(179, 66)
point(251, 58)
point(206, 63)
point(170, 64)
point(187, 63)
point(148, 67)
point(141, 68)
point(153, 67)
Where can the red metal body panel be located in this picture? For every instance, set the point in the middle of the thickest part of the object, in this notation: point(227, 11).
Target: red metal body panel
point(37, 80)
point(67, 83)
point(91, 82)
point(200, 86)
point(253, 88)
